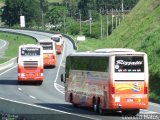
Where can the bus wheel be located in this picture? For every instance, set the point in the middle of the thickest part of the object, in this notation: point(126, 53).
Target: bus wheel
point(20, 82)
point(95, 109)
point(71, 100)
point(99, 108)
point(135, 112)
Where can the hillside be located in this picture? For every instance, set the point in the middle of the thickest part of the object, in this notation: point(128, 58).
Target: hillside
point(141, 31)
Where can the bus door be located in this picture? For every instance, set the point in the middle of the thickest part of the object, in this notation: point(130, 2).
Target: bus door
point(130, 87)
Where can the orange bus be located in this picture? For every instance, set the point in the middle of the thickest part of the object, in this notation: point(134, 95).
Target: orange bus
point(58, 38)
point(49, 52)
point(30, 63)
point(116, 81)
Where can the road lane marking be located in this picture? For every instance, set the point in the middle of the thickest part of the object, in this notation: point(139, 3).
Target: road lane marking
point(55, 84)
point(45, 108)
point(20, 89)
point(3, 44)
point(8, 70)
point(32, 97)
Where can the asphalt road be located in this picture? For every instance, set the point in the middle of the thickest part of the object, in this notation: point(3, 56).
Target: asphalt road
point(51, 93)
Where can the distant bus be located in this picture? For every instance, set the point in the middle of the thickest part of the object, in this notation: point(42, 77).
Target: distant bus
point(58, 38)
point(116, 81)
point(49, 52)
point(30, 63)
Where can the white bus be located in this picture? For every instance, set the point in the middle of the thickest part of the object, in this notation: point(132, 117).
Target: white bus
point(30, 63)
point(49, 52)
point(58, 38)
point(107, 81)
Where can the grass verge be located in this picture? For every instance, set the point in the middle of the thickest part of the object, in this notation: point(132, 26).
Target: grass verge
point(14, 42)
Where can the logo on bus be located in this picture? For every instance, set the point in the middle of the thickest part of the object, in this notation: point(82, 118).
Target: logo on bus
point(122, 62)
point(136, 87)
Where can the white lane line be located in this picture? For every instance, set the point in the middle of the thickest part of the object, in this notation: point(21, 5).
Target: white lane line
point(60, 85)
point(20, 89)
point(32, 96)
point(65, 108)
point(3, 44)
point(55, 84)
point(33, 105)
point(8, 70)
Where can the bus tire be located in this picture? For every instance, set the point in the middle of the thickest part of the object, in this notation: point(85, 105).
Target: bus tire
point(99, 108)
point(20, 82)
point(95, 109)
point(71, 100)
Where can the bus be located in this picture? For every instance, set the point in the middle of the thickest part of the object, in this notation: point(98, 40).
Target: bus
point(58, 38)
point(30, 63)
point(49, 52)
point(114, 50)
point(107, 81)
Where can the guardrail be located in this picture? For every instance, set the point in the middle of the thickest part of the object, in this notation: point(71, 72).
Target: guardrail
point(67, 36)
point(12, 61)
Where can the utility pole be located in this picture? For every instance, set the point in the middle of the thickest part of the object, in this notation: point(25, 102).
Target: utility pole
point(101, 24)
point(122, 10)
point(107, 22)
point(42, 20)
point(116, 18)
point(80, 25)
point(112, 19)
point(90, 22)
point(64, 21)
point(119, 18)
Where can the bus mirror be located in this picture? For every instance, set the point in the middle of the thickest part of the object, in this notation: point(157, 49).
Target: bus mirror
point(62, 78)
point(17, 59)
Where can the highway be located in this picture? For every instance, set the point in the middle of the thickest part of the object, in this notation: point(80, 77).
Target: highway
point(51, 93)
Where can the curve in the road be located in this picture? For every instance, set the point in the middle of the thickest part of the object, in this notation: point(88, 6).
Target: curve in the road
point(47, 94)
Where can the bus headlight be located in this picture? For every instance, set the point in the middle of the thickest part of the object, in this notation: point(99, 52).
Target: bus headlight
point(22, 74)
point(41, 74)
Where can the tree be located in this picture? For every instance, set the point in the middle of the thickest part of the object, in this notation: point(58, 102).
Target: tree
point(56, 15)
point(13, 10)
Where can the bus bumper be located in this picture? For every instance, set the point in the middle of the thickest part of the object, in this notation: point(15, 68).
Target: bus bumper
point(30, 78)
point(121, 106)
point(49, 62)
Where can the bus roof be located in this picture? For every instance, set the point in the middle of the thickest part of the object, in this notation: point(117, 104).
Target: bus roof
point(105, 53)
point(56, 35)
point(104, 50)
point(45, 40)
point(30, 45)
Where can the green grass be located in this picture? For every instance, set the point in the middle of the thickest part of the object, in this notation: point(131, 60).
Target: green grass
point(14, 42)
point(140, 30)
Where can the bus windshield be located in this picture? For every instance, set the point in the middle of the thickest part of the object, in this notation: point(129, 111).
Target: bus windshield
point(30, 51)
point(56, 39)
point(129, 64)
point(47, 46)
